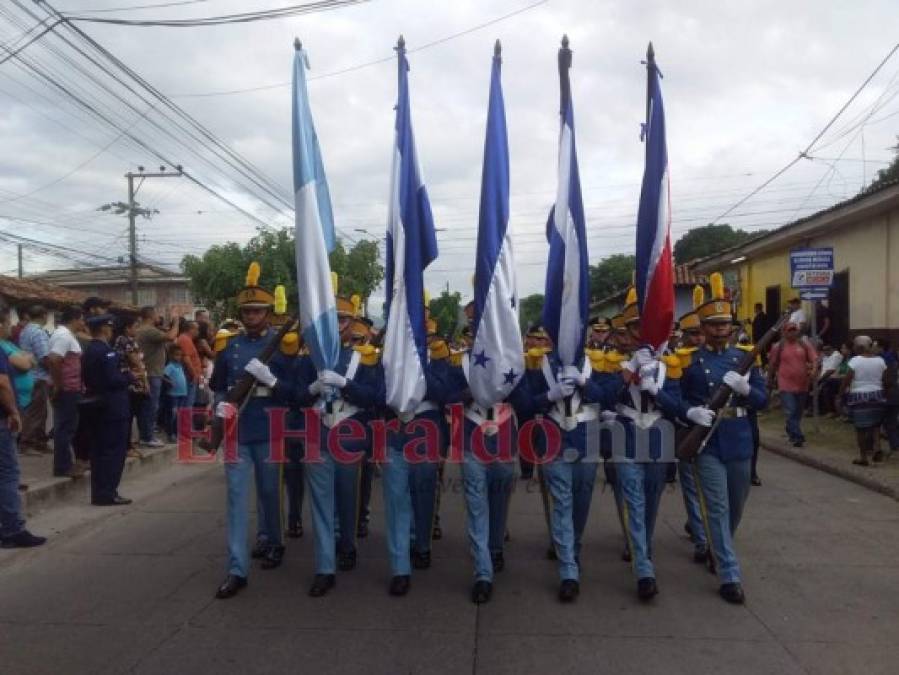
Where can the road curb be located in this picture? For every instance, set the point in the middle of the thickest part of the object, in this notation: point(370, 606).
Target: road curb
point(46, 493)
point(844, 472)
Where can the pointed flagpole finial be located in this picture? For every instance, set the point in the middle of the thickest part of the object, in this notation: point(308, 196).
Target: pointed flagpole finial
point(565, 41)
point(401, 42)
point(497, 49)
point(650, 53)
point(297, 44)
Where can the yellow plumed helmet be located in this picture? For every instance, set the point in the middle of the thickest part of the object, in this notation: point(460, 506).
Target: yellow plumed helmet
point(253, 274)
point(631, 312)
point(356, 301)
point(698, 296)
point(280, 299)
point(631, 296)
point(427, 297)
point(335, 282)
point(716, 281)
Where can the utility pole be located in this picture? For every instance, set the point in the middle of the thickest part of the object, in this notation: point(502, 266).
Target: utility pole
point(19, 250)
point(132, 218)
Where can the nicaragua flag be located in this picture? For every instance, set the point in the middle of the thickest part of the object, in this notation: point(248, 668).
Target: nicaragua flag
point(497, 356)
point(411, 246)
point(655, 271)
point(566, 300)
point(314, 236)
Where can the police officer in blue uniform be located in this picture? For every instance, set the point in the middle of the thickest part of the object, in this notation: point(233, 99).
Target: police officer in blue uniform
point(254, 451)
point(357, 388)
point(723, 467)
point(648, 400)
point(570, 400)
point(109, 416)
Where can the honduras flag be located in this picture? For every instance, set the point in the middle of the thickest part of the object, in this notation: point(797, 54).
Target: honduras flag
point(655, 272)
point(566, 302)
point(411, 246)
point(497, 359)
point(314, 237)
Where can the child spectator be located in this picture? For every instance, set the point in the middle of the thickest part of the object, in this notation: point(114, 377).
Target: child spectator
point(176, 380)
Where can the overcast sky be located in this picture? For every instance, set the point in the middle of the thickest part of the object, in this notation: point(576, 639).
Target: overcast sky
point(746, 86)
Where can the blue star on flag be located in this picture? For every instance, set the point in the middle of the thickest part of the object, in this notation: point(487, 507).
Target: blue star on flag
point(481, 359)
point(510, 376)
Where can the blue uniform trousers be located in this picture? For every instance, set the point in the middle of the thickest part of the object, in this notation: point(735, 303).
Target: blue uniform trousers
point(570, 486)
point(293, 482)
point(108, 450)
point(723, 489)
point(691, 504)
point(252, 457)
point(641, 485)
point(488, 487)
point(609, 469)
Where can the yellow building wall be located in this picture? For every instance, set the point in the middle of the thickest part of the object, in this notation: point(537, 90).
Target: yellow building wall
point(869, 250)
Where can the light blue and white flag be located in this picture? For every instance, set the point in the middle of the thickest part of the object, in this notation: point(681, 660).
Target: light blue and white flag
point(496, 360)
point(411, 246)
point(567, 297)
point(314, 229)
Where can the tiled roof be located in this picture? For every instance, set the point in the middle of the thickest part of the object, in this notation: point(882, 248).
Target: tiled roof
point(15, 291)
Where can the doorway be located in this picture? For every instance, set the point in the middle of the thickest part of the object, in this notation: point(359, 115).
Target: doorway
point(839, 308)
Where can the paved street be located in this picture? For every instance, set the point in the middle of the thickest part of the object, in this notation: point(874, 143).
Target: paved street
point(131, 591)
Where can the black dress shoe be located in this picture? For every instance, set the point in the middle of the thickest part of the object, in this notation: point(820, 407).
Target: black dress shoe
point(23, 539)
point(294, 531)
point(322, 584)
point(362, 530)
point(647, 588)
point(119, 500)
point(688, 529)
point(399, 585)
point(756, 481)
point(273, 557)
point(436, 533)
point(498, 560)
point(421, 560)
point(346, 561)
point(568, 590)
point(700, 556)
point(230, 587)
point(551, 553)
point(260, 549)
point(733, 593)
point(480, 592)
point(115, 501)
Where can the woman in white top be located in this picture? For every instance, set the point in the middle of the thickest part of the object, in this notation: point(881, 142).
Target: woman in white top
point(864, 384)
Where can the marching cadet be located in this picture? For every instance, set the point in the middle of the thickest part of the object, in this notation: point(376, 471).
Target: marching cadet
point(692, 339)
point(568, 398)
point(744, 344)
point(361, 335)
point(238, 357)
point(723, 467)
point(358, 383)
point(536, 344)
point(109, 416)
point(651, 391)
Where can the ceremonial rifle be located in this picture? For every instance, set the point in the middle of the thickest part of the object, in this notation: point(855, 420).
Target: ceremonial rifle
point(695, 439)
point(239, 394)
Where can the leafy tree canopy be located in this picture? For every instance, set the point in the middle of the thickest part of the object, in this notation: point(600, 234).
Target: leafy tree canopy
point(709, 239)
point(445, 310)
point(611, 275)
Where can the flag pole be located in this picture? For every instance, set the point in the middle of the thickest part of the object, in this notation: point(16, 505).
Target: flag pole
point(564, 104)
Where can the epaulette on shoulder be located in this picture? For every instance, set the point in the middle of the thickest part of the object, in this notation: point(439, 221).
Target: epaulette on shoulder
point(673, 367)
point(749, 348)
point(685, 355)
point(455, 357)
point(290, 344)
point(369, 356)
point(533, 358)
point(439, 350)
point(221, 339)
point(597, 359)
point(613, 360)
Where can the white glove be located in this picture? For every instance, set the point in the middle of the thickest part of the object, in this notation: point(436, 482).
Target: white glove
point(332, 379)
point(574, 374)
point(315, 388)
point(225, 410)
point(608, 415)
point(649, 385)
point(739, 383)
point(261, 372)
point(560, 390)
point(644, 357)
point(701, 415)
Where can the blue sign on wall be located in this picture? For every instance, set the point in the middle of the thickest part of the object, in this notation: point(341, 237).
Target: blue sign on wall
point(811, 268)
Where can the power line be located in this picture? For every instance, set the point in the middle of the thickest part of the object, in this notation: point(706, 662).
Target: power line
point(802, 154)
point(108, 10)
point(366, 64)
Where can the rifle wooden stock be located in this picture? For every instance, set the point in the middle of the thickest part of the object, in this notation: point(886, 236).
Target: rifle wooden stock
point(239, 393)
point(692, 441)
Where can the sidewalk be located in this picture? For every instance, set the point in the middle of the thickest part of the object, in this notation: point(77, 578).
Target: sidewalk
point(44, 489)
point(830, 446)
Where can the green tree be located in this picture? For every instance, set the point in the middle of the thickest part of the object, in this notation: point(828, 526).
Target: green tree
point(704, 241)
point(218, 275)
point(611, 275)
point(445, 310)
point(890, 173)
point(530, 310)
